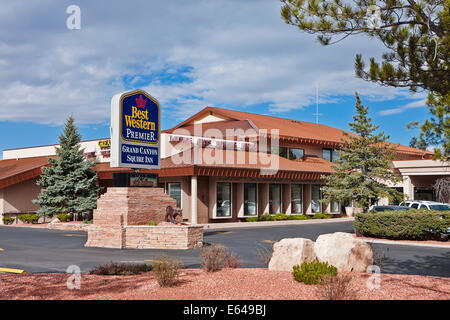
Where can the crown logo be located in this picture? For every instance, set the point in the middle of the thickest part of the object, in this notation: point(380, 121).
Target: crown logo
point(140, 102)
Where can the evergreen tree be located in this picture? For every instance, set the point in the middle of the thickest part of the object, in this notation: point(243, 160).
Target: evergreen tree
point(69, 185)
point(416, 36)
point(364, 165)
point(435, 131)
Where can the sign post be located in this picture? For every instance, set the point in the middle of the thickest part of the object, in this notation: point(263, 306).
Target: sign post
point(135, 131)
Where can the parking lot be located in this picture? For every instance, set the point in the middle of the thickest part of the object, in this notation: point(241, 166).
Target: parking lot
point(40, 250)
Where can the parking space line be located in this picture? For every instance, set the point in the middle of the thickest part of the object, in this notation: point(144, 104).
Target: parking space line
point(9, 270)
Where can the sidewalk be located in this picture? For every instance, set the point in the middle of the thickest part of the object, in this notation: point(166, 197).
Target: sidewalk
point(230, 225)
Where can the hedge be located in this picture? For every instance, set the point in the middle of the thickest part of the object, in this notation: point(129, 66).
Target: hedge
point(28, 218)
point(283, 216)
point(402, 225)
point(8, 220)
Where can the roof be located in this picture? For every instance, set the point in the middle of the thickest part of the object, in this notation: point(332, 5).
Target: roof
point(13, 171)
point(307, 131)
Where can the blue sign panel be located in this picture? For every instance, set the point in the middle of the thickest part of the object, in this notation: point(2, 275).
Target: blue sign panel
point(139, 118)
point(139, 155)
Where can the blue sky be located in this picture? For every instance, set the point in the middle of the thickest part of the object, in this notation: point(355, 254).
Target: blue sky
point(187, 54)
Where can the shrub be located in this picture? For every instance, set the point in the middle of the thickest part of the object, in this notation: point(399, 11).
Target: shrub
point(251, 219)
point(88, 221)
point(232, 261)
point(313, 272)
point(264, 253)
point(8, 220)
point(322, 216)
point(112, 268)
point(298, 217)
point(336, 288)
point(166, 271)
point(402, 225)
point(265, 217)
point(64, 217)
point(29, 218)
point(153, 223)
point(216, 257)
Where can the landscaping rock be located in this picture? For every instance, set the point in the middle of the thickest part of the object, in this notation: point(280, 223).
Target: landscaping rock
point(291, 251)
point(344, 252)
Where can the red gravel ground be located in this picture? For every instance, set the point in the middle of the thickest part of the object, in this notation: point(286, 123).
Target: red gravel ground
point(195, 284)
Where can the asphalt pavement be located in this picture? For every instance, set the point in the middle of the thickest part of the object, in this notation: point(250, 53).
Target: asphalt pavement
point(38, 250)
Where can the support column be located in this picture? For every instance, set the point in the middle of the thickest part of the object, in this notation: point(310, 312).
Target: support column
point(286, 197)
point(239, 203)
point(194, 200)
point(408, 188)
point(263, 196)
point(307, 199)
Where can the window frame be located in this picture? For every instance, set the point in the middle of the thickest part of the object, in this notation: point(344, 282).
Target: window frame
point(166, 189)
point(301, 196)
point(289, 153)
point(243, 200)
point(320, 198)
point(331, 154)
point(215, 216)
point(281, 198)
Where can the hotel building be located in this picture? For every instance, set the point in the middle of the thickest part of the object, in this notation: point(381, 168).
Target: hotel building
point(216, 167)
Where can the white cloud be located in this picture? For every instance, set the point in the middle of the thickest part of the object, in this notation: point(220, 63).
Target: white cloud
point(412, 105)
point(238, 53)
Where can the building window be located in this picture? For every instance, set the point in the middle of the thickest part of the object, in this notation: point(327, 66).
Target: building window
point(173, 189)
point(315, 198)
point(281, 151)
point(335, 206)
point(223, 199)
point(335, 155)
point(296, 198)
point(295, 153)
point(326, 154)
point(250, 199)
point(274, 198)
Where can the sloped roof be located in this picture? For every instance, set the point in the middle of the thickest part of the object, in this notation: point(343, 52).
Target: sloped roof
point(285, 127)
point(13, 171)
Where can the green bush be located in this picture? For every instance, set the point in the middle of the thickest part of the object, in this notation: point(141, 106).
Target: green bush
point(8, 220)
point(28, 218)
point(283, 216)
point(152, 223)
point(402, 225)
point(322, 216)
point(299, 217)
point(265, 217)
point(313, 272)
point(64, 217)
point(88, 221)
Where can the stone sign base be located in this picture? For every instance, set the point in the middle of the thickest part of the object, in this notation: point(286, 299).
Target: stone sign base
point(122, 215)
point(146, 237)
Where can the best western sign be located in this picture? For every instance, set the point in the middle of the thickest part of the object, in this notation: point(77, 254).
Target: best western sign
point(135, 130)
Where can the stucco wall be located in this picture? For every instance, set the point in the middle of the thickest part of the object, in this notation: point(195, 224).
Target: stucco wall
point(17, 198)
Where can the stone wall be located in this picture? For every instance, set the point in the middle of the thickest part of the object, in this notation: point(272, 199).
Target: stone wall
point(122, 216)
point(164, 237)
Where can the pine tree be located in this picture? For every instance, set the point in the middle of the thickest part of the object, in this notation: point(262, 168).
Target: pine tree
point(363, 168)
point(69, 185)
point(416, 36)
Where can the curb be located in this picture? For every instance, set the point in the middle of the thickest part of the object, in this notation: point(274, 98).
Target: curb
point(442, 246)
